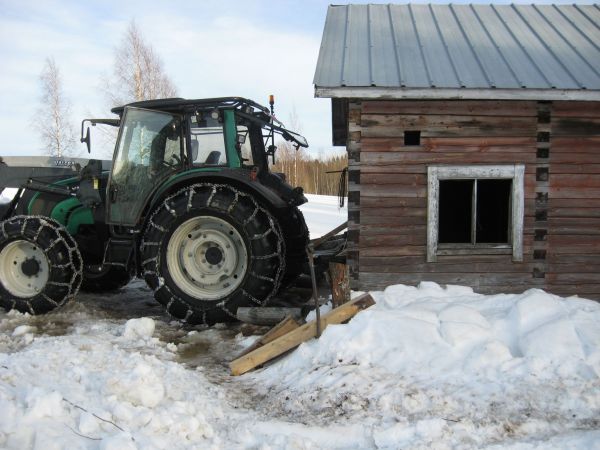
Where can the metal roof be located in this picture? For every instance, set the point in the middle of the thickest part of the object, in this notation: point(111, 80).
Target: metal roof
point(495, 51)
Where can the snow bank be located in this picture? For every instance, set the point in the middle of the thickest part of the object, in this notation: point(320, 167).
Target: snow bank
point(104, 384)
point(432, 364)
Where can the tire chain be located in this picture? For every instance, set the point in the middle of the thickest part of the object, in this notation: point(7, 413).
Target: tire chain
point(75, 262)
point(191, 190)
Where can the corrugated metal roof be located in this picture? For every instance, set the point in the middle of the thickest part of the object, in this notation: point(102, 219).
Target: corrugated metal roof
point(541, 47)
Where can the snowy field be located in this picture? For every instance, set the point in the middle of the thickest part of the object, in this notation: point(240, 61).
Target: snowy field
point(426, 367)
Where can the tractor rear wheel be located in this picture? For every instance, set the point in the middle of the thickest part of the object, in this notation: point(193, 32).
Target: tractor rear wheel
point(209, 249)
point(40, 265)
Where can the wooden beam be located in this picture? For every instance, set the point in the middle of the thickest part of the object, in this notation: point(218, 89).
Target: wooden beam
point(299, 335)
point(285, 326)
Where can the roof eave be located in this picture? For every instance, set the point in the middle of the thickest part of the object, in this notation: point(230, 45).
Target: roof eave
point(394, 93)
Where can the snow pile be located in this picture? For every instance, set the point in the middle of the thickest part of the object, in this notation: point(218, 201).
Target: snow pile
point(101, 383)
point(139, 328)
point(429, 364)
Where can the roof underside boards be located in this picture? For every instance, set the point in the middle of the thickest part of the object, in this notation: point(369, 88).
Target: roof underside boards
point(460, 47)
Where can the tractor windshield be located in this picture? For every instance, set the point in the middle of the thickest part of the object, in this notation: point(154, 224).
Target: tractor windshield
point(149, 148)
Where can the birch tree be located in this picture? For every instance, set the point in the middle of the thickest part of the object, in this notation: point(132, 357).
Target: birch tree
point(138, 72)
point(53, 116)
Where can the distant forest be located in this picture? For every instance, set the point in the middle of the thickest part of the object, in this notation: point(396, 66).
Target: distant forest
point(301, 169)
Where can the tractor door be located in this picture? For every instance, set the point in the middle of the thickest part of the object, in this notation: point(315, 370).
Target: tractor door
point(149, 149)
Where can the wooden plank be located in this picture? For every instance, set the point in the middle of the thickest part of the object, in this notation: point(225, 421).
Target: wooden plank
point(394, 168)
point(482, 144)
point(576, 126)
point(437, 267)
point(557, 168)
point(390, 211)
point(574, 193)
point(573, 278)
point(560, 180)
point(455, 131)
point(464, 279)
point(580, 212)
point(396, 158)
point(383, 202)
point(392, 178)
point(575, 109)
point(301, 334)
point(393, 191)
point(398, 221)
point(459, 107)
point(574, 203)
point(393, 240)
point(578, 144)
point(590, 260)
point(572, 268)
point(405, 250)
point(557, 157)
point(392, 228)
point(284, 327)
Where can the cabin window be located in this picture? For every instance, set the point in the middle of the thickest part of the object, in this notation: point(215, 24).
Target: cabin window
point(412, 137)
point(475, 210)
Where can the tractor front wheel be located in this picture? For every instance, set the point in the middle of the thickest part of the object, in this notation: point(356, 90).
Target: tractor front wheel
point(209, 249)
point(40, 265)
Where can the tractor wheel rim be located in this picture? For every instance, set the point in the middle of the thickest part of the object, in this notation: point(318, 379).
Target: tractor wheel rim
point(24, 268)
point(207, 258)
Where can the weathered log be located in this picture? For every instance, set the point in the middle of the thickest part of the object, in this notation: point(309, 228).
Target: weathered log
point(340, 288)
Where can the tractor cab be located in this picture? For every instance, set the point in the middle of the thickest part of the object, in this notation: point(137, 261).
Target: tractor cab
point(160, 141)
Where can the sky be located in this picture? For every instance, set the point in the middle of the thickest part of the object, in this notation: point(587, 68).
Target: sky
point(248, 48)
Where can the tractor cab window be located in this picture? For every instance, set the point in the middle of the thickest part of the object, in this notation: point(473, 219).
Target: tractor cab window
point(207, 141)
point(243, 142)
point(149, 149)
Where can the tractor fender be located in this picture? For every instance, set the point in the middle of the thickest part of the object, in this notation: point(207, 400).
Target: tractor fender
point(240, 179)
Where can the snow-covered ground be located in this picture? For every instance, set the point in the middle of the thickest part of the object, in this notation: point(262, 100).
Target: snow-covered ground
point(323, 214)
point(426, 367)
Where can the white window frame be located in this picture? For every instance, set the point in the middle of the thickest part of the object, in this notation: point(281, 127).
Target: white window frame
point(514, 172)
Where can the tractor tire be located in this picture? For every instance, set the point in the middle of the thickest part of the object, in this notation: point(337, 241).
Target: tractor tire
point(104, 278)
point(209, 249)
point(296, 240)
point(40, 265)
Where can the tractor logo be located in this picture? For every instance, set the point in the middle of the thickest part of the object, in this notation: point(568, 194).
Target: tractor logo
point(63, 163)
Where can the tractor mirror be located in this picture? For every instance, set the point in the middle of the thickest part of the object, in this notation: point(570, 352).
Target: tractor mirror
point(241, 139)
point(86, 139)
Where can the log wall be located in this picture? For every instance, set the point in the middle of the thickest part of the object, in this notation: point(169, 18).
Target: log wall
point(559, 144)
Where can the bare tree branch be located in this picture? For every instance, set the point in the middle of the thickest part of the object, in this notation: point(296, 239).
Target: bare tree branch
point(138, 72)
point(53, 116)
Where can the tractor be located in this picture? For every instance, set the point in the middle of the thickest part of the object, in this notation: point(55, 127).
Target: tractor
point(188, 203)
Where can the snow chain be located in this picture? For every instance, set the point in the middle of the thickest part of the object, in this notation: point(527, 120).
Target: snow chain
point(151, 248)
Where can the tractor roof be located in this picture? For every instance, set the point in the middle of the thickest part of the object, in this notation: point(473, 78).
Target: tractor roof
point(190, 105)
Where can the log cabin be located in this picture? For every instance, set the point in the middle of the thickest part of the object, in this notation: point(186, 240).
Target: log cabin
point(473, 139)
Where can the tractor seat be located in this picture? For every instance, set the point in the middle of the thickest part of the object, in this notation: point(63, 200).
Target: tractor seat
point(213, 158)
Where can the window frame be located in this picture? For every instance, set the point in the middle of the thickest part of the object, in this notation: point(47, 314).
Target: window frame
point(514, 172)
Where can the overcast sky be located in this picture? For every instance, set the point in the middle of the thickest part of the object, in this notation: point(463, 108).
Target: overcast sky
point(247, 48)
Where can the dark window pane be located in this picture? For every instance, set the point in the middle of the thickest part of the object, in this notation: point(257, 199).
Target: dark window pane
point(493, 210)
point(455, 206)
point(412, 138)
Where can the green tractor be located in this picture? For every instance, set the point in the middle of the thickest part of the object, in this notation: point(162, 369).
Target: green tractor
point(188, 203)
